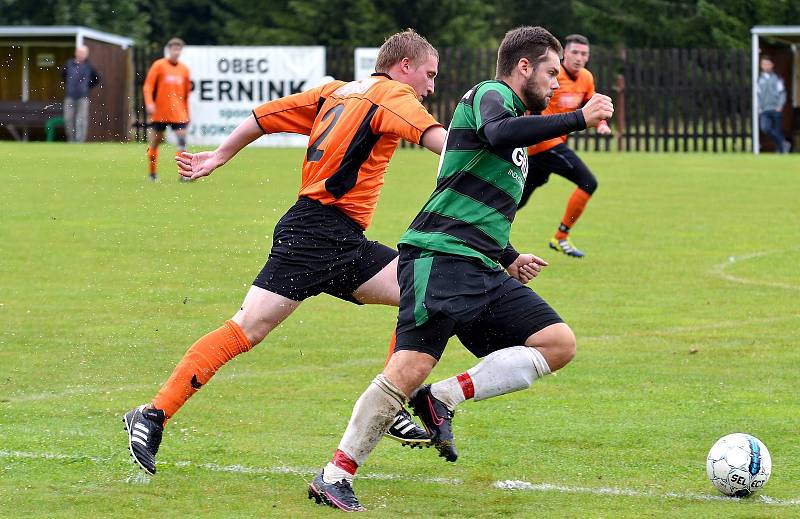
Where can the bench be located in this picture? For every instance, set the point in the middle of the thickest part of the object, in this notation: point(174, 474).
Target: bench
point(30, 114)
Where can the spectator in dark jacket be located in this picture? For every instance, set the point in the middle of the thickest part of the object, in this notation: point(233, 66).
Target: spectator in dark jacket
point(79, 76)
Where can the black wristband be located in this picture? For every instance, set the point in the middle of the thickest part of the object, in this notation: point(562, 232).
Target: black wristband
point(508, 256)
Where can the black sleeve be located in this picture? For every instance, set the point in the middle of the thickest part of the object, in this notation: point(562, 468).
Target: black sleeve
point(508, 256)
point(517, 132)
point(492, 108)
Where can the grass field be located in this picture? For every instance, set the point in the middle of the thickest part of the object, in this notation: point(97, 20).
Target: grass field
point(686, 312)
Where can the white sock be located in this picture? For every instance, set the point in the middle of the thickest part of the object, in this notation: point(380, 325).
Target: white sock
point(332, 474)
point(449, 392)
point(372, 415)
point(507, 370)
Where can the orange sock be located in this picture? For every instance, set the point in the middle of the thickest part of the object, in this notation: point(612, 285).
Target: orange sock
point(575, 206)
point(392, 343)
point(152, 159)
point(199, 364)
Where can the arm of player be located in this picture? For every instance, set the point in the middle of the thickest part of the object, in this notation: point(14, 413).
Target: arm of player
point(402, 114)
point(526, 267)
point(196, 165)
point(522, 267)
point(517, 132)
point(598, 110)
point(602, 128)
point(294, 113)
point(148, 88)
point(434, 139)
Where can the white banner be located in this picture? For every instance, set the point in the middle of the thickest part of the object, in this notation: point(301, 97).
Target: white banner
point(229, 82)
point(365, 62)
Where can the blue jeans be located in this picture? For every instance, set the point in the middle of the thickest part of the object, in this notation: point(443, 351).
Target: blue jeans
point(771, 123)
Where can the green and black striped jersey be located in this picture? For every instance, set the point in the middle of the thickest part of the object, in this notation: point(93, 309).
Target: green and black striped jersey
point(479, 185)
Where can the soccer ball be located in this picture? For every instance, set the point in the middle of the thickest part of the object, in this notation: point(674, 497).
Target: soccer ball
point(738, 465)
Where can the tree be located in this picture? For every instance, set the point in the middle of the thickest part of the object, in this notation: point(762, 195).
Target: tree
point(124, 18)
point(446, 23)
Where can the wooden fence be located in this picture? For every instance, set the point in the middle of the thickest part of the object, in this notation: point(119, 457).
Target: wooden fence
point(666, 100)
point(143, 57)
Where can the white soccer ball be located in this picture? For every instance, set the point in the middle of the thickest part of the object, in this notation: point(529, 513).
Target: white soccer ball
point(739, 465)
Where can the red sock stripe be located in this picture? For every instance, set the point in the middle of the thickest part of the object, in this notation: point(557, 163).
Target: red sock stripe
point(344, 462)
point(465, 381)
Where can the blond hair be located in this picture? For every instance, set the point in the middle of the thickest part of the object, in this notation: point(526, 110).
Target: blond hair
point(407, 44)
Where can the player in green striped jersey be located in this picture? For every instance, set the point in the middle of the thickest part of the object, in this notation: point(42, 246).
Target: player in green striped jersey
point(451, 280)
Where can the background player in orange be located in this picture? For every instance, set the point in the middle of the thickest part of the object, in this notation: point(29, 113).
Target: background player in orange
point(166, 99)
point(319, 244)
point(576, 87)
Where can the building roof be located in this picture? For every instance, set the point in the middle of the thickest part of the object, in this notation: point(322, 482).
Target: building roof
point(79, 32)
point(784, 33)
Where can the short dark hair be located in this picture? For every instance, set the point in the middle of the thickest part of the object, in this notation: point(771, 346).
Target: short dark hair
point(576, 38)
point(176, 41)
point(525, 42)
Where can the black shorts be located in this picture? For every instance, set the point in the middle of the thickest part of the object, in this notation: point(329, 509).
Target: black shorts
point(562, 161)
point(160, 127)
point(443, 295)
point(316, 248)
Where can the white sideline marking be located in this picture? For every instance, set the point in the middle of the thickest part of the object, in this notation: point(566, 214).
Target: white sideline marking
point(502, 485)
point(605, 491)
point(719, 270)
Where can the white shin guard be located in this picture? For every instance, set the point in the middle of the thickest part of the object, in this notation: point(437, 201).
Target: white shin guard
point(372, 415)
point(507, 370)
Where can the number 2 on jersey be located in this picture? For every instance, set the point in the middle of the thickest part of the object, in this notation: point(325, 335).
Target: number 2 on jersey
point(314, 153)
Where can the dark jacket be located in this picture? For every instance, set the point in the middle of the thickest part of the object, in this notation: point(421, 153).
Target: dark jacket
point(79, 78)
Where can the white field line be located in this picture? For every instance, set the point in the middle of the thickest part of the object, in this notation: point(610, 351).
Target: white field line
point(719, 270)
point(511, 485)
point(606, 491)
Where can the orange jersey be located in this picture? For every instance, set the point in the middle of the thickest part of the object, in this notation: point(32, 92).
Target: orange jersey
point(167, 85)
point(572, 93)
point(353, 130)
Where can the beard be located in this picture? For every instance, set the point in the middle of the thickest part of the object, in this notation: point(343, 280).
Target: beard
point(535, 99)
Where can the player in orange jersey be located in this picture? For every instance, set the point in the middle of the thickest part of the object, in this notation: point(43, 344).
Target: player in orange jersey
point(319, 244)
point(576, 87)
point(166, 99)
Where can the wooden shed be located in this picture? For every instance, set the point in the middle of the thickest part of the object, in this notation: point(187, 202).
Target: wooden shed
point(31, 87)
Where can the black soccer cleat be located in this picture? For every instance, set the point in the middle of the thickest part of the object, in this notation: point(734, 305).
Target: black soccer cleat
point(437, 419)
point(144, 426)
point(337, 495)
point(407, 432)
